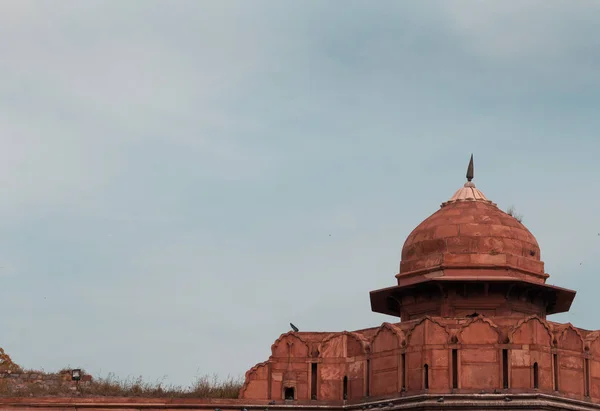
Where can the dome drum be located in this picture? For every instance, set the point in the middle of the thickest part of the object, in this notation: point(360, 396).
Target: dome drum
point(461, 296)
point(475, 266)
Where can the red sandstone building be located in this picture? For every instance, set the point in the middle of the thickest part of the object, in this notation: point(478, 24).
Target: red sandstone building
point(473, 302)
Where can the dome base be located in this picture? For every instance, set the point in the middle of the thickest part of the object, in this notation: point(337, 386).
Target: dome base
point(465, 296)
point(451, 270)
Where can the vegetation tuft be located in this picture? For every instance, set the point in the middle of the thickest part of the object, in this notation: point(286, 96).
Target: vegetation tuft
point(513, 213)
point(111, 386)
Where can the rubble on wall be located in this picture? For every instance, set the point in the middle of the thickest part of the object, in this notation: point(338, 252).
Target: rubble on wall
point(16, 381)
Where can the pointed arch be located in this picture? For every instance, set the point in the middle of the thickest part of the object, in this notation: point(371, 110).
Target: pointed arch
point(593, 343)
point(479, 330)
point(479, 337)
point(352, 345)
point(569, 365)
point(255, 382)
point(385, 363)
point(570, 338)
point(532, 338)
point(300, 347)
point(360, 346)
point(415, 332)
point(388, 337)
point(592, 364)
point(518, 334)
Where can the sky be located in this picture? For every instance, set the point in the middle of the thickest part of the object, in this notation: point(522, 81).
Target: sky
point(179, 180)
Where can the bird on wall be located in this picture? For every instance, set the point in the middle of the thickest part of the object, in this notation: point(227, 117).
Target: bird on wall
point(294, 328)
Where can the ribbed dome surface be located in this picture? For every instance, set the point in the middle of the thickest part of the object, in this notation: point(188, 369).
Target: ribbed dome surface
point(470, 233)
point(470, 258)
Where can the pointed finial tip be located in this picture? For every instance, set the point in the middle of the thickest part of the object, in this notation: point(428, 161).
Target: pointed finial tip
point(470, 170)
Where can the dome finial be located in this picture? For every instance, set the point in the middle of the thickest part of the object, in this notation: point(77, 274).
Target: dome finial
point(468, 192)
point(470, 169)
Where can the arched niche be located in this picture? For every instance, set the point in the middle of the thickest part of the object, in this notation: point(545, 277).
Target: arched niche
point(290, 345)
point(385, 365)
point(479, 331)
point(427, 349)
point(343, 345)
point(594, 346)
point(594, 369)
point(532, 330)
point(570, 339)
point(571, 366)
point(531, 342)
point(387, 338)
point(344, 356)
point(428, 332)
point(478, 359)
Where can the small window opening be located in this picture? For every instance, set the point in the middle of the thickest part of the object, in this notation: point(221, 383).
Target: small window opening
point(555, 363)
point(505, 369)
point(536, 377)
point(404, 368)
point(345, 387)
point(313, 381)
point(368, 378)
point(289, 393)
point(587, 377)
point(426, 376)
point(454, 368)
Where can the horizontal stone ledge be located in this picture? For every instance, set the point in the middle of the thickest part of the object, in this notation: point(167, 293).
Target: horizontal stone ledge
point(419, 401)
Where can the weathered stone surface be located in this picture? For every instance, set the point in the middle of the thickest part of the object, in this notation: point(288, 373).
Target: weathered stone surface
point(475, 228)
point(395, 356)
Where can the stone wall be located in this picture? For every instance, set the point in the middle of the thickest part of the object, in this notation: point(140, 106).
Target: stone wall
point(440, 355)
point(39, 383)
point(16, 381)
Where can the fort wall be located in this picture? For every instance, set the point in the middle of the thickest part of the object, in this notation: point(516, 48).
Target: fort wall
point(433, 355)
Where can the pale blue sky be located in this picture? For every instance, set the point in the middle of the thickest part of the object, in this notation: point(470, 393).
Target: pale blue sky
point(181, 179)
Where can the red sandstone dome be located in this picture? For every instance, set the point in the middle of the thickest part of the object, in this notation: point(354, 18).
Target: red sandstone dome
point(469, 231)
point(468, 258)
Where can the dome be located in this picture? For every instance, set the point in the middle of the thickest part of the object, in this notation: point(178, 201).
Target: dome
point(470, 258)
point(469, 232)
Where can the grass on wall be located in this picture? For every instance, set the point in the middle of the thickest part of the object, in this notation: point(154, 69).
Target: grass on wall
point(111, 386)
point(511, 211)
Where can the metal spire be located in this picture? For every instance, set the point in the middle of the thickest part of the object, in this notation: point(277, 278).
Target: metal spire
point(468, 192)
point(470, 169)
